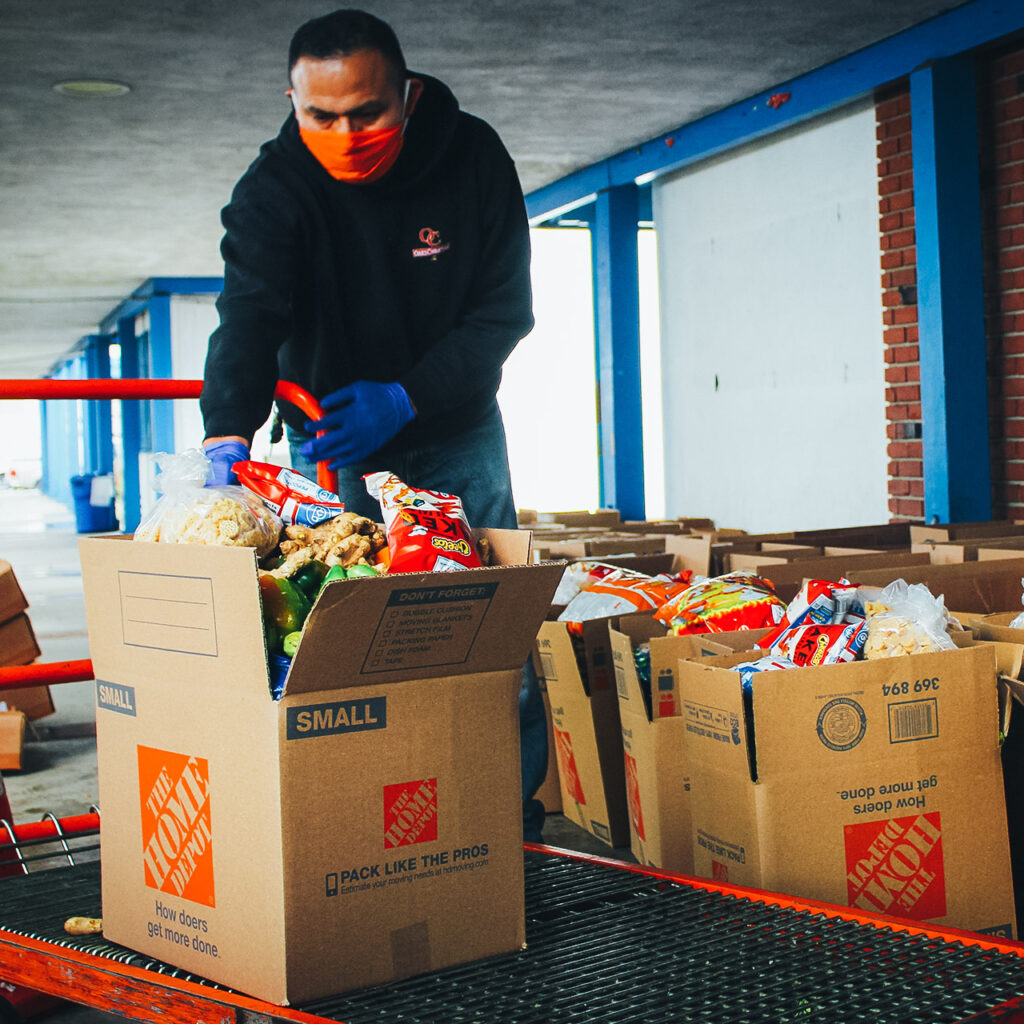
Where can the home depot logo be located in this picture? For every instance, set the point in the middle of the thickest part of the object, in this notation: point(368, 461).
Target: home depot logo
point(636, 813)
point(410, 813)
point(177, 841)
point(567, 766)
point(895, 866)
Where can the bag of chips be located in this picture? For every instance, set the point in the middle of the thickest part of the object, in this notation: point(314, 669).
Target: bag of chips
point(737, 600)
point(427, 530)
point(292, 496)
point(622, 592)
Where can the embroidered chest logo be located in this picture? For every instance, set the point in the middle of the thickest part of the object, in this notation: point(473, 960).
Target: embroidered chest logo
point(432, 244)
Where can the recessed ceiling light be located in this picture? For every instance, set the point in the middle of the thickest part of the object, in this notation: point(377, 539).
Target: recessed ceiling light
point(90, 88)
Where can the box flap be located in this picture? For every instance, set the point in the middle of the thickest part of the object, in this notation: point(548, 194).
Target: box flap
point(421, 626)
point(890, 708)
point(149, 606)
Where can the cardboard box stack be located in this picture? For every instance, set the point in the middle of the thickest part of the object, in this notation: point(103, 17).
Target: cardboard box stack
point(364, 828)
point(18, 646)
point(873, 784)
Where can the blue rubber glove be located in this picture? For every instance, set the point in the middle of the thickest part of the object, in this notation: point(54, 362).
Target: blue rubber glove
point(223, 455)
point(358, 420)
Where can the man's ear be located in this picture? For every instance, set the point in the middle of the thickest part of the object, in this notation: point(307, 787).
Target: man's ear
point(415, 91)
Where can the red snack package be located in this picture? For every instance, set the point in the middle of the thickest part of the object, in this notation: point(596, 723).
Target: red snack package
point(291, 495)
point(811, 644)
point(737, 600)
point(427, 530)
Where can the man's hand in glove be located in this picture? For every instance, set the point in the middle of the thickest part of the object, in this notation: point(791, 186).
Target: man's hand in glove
point(358, 420)
point(224, 453)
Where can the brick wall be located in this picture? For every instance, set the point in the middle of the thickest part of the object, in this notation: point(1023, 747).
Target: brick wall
point(899, 303)
point(1001, 127)
point(1001, 148)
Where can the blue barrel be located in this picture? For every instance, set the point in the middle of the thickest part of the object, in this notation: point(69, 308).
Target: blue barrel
point(90, 518)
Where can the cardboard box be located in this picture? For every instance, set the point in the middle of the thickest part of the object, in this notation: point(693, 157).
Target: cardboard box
point(550, 792)
point(18, 644)
point(12, 598)
point(874, 784)
point(364, 828)
point(653, 741)
point(605, 544)
point(12, 738)
point(35, 701)
point(979, 587)
point(607, 517)
point(942, 532)
point(587, 732)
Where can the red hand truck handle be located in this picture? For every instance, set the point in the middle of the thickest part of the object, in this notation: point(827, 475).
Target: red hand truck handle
point(113, 388)
point(13, 676)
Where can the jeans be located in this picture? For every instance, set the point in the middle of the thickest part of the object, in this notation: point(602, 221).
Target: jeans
point(474, 466)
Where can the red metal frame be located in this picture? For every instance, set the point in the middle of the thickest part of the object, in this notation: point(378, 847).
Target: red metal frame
point(45, 389)
point(144, 995)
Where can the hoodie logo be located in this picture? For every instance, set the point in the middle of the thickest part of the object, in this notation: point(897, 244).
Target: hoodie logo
point(432, 244)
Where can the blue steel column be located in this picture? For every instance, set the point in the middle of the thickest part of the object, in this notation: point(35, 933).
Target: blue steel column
point(954, 388)
point(99, 441)
point(617, 339)
point(161, 369)
point(131, 427)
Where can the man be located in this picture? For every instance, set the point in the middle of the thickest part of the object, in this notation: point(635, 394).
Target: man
point(377, 254)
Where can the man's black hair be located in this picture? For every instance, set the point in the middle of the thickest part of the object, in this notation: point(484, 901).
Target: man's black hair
point(345, 32)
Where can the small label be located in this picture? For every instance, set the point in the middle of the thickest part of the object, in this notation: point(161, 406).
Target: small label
point(337, 717)
point(842, 724)
point(115, 697)
point(914, 720)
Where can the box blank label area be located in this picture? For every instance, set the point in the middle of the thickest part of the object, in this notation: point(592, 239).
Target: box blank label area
point(427, 627)
point(168, 613)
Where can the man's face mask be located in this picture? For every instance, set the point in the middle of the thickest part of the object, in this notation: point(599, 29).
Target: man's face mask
point(358, 157)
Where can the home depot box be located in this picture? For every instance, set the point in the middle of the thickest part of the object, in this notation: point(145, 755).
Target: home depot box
point(653, 747)
point(364, 828)
point(585, 721)
point(872, 784)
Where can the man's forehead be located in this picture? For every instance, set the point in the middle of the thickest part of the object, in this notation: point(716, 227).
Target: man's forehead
point(363, 72)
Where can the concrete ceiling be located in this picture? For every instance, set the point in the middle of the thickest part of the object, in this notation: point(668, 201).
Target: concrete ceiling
point(96, 195)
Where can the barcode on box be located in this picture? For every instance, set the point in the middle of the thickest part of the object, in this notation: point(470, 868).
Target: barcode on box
point(913, 720)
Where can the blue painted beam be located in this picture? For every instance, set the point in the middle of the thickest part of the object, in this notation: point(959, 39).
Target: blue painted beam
point(617, 340)
point(951, 311)
point(789, 103)
point(131, 425)
point(161, 368)
point(139, 300)
point(99, 445)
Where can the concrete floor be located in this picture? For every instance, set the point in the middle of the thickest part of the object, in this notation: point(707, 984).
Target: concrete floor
point(37, 536)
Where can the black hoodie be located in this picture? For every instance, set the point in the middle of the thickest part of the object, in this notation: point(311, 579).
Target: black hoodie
point(421, 277)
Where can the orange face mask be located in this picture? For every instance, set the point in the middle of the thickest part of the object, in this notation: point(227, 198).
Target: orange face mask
point(355, 157)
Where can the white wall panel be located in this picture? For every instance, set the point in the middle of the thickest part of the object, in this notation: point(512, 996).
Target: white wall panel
point(771, 331)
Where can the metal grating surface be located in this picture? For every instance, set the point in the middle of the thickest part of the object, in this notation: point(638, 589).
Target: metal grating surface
point(614, 946)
